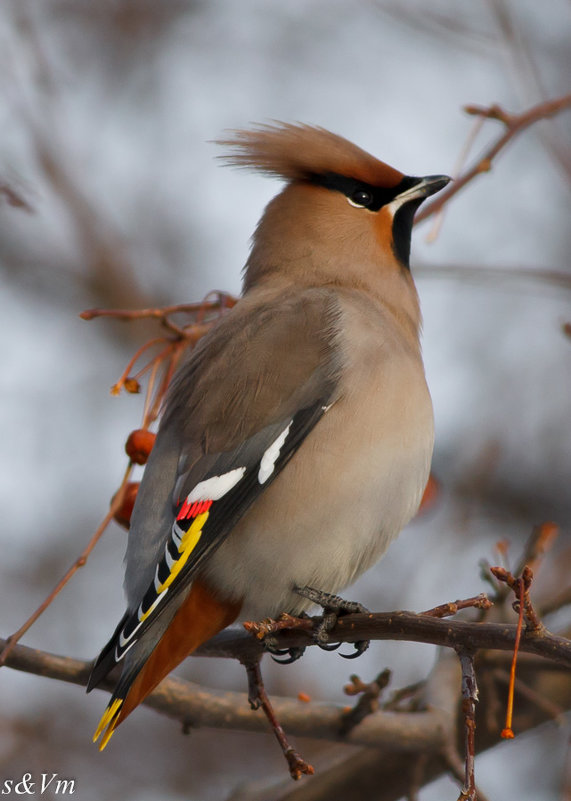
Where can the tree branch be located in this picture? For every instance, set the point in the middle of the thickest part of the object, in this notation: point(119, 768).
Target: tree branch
point(544, 275)
point(357, 774)
point(403, 626)
point(194, 705)
point(514, 124)
point(406, 735)
point(213, 708)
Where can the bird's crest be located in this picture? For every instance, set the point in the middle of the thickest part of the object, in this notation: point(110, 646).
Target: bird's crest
point(300, 152)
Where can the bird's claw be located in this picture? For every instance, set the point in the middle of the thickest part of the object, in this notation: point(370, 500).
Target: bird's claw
point(294, 653)
point(333, 607)
point(360, 648)
point(325, 647)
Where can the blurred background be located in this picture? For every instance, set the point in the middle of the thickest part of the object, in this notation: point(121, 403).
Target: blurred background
point(110, 196)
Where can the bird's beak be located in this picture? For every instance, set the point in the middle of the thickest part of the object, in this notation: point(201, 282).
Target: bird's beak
point(432, 183)
point(424, 187)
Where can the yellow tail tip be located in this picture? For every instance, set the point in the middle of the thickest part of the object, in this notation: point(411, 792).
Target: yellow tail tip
point(108, 721)
point(107, 736)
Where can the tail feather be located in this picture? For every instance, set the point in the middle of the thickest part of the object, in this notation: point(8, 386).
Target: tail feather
point(106, 661)
point(200, 617)
point(108, 722)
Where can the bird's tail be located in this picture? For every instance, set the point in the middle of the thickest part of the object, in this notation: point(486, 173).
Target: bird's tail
point(201, 616)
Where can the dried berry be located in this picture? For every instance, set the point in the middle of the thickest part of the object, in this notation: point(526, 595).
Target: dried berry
point(124, 512)
point(139, 445)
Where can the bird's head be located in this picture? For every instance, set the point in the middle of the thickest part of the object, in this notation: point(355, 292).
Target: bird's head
point(343, 216)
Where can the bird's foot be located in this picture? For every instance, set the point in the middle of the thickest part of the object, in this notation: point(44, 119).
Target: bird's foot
point(258, 697)
point(265, 629)
point(333, 607)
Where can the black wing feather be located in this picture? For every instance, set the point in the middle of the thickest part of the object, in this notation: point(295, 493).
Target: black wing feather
point(223, 516)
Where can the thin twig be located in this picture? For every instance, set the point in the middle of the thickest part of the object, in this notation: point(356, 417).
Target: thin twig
point(225, 301)
point(507, 731)
point(523, 606)
point(264, 628)
point(469, 700)
point(258, 698)
point(540, 541)
point(153, 409)
point(557, 278)
point(402, 694)
point(125, 380)
point(458, 771)
point(552, 710)
point(460, 161)
point(514, 124)
point(480, 601)
point(523, 584)
point(368, 702)
point(528, 662)
point(79, 562)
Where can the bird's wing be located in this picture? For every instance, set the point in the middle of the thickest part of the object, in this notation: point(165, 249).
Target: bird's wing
point(237, 413)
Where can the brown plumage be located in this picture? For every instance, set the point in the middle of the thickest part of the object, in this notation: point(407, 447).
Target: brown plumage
point(296, 439)
point(298, 152)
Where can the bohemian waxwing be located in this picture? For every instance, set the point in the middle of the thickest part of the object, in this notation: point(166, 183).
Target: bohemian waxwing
point(297, 436)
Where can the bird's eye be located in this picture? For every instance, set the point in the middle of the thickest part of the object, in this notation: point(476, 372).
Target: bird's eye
point(360, 198)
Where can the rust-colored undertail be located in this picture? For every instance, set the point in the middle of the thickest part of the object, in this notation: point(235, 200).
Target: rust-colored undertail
point(201, 616)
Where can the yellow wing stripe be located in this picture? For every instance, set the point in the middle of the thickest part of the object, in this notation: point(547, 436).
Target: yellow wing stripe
point(188, 544)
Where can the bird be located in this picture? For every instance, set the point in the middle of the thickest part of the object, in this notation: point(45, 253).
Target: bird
point(297, 435)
